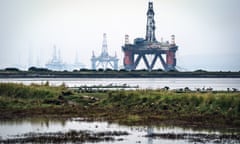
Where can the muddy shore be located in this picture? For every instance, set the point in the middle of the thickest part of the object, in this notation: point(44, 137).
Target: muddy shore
point(68, 137)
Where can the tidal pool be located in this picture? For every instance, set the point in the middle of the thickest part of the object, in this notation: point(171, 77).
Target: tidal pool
point(12, 129)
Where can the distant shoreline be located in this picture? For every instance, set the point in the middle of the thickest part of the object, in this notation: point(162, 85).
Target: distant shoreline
point(117, 74)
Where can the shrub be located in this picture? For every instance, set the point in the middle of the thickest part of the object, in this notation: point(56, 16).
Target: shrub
point(12, 69)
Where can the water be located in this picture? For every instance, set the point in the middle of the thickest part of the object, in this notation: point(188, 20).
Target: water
point(143, 83)
point(9, 129)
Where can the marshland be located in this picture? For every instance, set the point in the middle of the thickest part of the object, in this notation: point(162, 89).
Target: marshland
point(194, 110)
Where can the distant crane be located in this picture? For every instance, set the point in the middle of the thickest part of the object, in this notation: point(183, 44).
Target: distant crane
point(104, 61)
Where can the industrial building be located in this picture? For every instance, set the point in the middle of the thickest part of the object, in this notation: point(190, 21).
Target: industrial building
point(149, 46)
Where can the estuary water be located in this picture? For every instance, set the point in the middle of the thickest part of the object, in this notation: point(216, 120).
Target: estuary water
point(143, 83)
point(137, 134)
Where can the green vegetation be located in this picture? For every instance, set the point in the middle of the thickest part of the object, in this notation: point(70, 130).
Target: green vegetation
point(157, 104)
point(34, 72)
point(35, 69)
point(129, 107)
point(12, 69)
point(19, 96)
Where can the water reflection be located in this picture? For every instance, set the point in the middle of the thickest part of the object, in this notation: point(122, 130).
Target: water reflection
point(9, 129)
point(150, 132)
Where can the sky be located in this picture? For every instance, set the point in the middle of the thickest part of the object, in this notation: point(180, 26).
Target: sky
point(207, 31)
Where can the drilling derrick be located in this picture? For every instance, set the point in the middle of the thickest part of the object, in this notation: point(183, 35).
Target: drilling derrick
point(104, 61)
point(142, 48)
point(150, 30)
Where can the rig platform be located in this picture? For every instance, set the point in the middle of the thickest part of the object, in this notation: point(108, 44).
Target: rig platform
point(104, 61)
point(143, 47)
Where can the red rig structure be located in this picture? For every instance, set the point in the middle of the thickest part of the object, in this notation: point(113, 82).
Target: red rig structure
point(149, 47)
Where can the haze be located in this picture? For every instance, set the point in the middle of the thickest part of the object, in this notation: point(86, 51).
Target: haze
point(207, 31)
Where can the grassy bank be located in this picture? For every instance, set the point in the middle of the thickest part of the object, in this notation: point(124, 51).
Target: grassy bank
point(128, 107)
point(42, 73)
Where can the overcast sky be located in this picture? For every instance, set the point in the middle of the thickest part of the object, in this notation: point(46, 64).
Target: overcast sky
point(207, 31)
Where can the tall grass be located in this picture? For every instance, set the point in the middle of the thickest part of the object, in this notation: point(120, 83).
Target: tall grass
point(28, 92)
point(134, 103)
point(217, 103)
point(19, 96)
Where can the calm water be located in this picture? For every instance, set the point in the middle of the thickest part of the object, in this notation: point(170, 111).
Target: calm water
point(150, 83)
point(9, 129)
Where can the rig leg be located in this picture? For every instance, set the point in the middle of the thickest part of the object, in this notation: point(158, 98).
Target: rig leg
point(171, 60)
point(163, 62)
point(154, 61)
point(137, 61)
point(146, 62)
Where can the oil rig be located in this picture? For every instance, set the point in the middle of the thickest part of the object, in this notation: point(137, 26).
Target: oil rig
point(104, 61)
point(149, 46)
point(56, 62)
